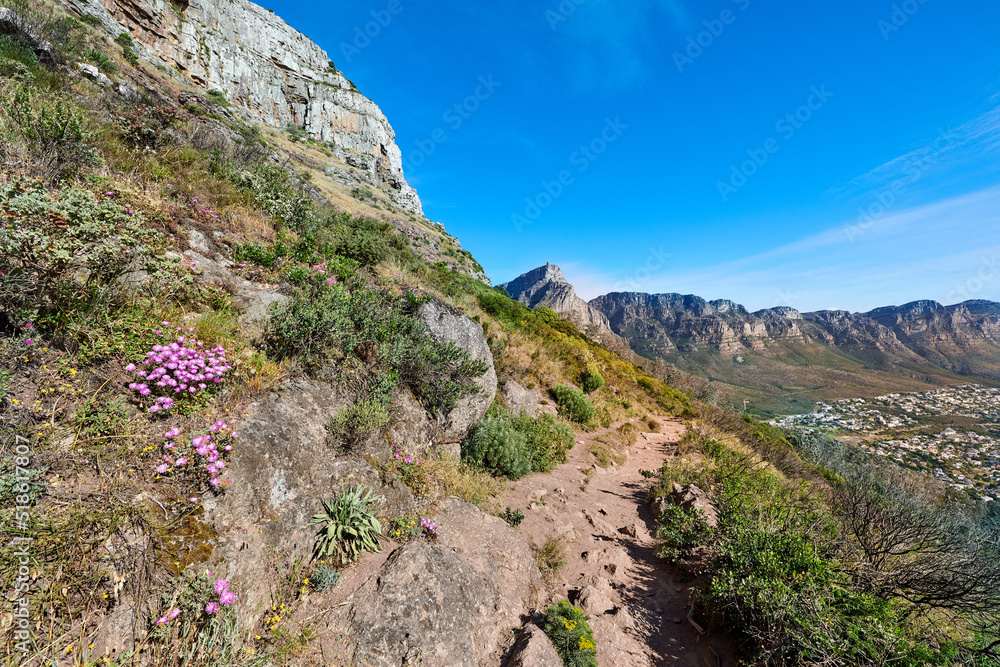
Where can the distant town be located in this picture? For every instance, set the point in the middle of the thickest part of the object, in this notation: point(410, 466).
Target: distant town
point(952, 433)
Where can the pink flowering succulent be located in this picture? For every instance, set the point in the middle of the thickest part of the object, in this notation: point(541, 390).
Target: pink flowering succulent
point(203, 446)
point(429, 527)
point(183, 367)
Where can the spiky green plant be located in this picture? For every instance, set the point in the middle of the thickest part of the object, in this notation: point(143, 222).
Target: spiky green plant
point(347, 527)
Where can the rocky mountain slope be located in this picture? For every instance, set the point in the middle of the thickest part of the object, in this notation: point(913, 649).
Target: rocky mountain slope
point(271, 73)
point(547, 286)
point(920, 342)
point(778, 358)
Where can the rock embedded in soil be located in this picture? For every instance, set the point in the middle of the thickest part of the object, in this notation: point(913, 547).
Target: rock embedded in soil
point(447, 324)
point(534, 649)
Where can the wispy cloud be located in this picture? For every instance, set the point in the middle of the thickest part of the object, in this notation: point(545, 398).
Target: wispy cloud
point(951, 149)
point(947, 251)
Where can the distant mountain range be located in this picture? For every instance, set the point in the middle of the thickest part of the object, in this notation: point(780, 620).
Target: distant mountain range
point(779, 359)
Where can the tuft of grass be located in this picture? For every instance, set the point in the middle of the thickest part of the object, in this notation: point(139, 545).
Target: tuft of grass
point(551, 558)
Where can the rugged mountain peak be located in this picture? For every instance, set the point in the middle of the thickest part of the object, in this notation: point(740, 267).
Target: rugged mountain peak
point(547, 286)
point(272, 74)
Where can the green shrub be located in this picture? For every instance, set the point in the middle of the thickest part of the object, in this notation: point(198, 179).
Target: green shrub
point(54, 131)
point(311, 325)
point(357, 421)
point(547, 441)
point(217, 97)
point(591, 380)
point(324, 577)
point(347, 527)
point(570, 633)
point(680, 531)
point(53, 239)
point(272, 192)
point(102, 60)
point(496, 446)
point(512, 517)
point(573, 403)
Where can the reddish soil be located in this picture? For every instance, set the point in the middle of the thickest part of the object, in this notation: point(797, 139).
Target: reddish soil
point(639, 611)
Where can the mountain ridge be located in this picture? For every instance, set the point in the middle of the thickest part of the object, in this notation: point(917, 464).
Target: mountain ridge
point(921, 343)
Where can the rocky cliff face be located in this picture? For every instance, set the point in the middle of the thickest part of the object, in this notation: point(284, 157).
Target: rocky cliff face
point(658, 324)
point(546, 286)
point(271, 73)
point(960, 338)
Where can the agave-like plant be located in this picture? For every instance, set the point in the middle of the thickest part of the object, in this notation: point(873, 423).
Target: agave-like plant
point(347, 528)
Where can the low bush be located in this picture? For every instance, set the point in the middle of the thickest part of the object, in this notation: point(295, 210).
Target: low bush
point(103, 61)
point(53, 131)
point(324, 577)
point(512, 517)
point(495, 445)
point(573, 403)
point(547, 441)
point(356, 422)
point(570, 633)
point(591, 380)
point(51, 241)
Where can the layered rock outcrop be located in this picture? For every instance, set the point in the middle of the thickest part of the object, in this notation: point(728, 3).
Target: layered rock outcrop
point(960, 338)
point(271, 73)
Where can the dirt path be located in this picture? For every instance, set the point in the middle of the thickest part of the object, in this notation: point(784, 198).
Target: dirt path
point(636, 608)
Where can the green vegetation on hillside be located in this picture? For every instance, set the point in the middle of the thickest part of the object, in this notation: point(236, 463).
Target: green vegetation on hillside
point(823, 555)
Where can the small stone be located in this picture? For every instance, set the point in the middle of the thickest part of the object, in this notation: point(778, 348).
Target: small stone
point(628, 530)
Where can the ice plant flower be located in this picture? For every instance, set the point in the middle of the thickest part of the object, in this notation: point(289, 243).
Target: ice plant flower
point(211, 607)
point(221, 586)
point(227, 597)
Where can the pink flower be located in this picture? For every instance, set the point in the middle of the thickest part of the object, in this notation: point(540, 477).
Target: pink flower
point(174, 614)
point(162, 468)
point(192, 500)
point(221, 586)
point(182, 461)
point(211, 607)
point(130, 368)
point(228, 597)
point(162, 620)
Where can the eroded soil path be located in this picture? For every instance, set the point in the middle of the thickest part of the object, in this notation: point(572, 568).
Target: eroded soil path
point(635, 606)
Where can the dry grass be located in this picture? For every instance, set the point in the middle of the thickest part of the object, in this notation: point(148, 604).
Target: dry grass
point(449, 477)
point(550, 559)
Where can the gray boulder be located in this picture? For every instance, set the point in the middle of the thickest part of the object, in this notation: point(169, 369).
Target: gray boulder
point(534, 649)
point(691, 497)
point(281, 467)
point(445, 603)
point(448, 324)
point(519, 400)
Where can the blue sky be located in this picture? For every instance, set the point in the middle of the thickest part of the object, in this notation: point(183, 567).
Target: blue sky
point(818, 155)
